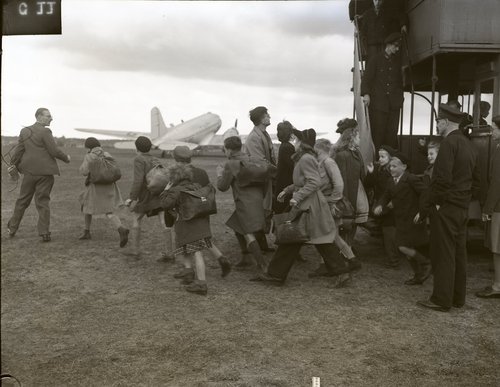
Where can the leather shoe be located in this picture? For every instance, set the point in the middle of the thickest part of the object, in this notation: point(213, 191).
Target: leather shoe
point(488, 292)
point(46, 238)
point(430, 305)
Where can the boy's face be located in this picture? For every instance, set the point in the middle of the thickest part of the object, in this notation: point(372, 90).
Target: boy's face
point(383, 157)
point(396, 167)
point(431, 155)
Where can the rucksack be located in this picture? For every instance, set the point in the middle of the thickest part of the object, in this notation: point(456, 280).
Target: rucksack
point(197, 203)
point(104, 170)
point(253, 173)
point(157, 178)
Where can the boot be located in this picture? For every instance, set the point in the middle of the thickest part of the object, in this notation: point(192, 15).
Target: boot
point(224, 265)
point(198, 287)
point(415, 280)
point(123, 235)
point(135, 237)
point(85, 235)
point(242, 242)
point(257, 255)
point(262, 240)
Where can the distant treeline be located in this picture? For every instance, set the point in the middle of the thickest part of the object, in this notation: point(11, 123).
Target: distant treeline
point(62, 141)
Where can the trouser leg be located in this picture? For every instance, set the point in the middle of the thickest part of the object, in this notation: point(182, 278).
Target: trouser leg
point(389, 234)
point(88, 221)
point(283, 260)
point(391, 129)
point(459, 292)
point(334, 262)
point(378, 122)
point(26, 193)
point(42, 199)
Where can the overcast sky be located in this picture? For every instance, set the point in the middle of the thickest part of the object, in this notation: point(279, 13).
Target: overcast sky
point(117, 59)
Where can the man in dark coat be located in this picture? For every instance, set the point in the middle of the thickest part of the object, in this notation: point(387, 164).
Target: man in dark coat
point(382, 91)
point(35, 157)
point(455, 178)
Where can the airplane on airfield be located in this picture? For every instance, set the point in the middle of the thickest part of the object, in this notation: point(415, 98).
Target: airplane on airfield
point(192, 133)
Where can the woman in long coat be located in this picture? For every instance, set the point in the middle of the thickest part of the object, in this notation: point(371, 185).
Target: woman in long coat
point(248, 216)
point(306, 196)
point(141, 201)
point(350, 162)
point(99, 199)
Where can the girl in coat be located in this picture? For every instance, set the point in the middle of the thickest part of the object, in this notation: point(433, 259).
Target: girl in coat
point(192, 236)
point(306, 196)
point(285, 163)
point(98, 199)
point(142, 202)
point(348, 157)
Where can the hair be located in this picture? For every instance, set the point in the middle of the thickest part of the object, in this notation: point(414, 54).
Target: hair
point(233, 143)
point(92, 142)
point(346, 140)
point(40, 111)
point(257, 114)
point(454, 103)
point(284, 131)
point(434, 145)
point(179, 172)
point(484, 105)
point(323, 145)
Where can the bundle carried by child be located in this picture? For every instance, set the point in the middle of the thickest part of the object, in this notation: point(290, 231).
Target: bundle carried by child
point(157, 178)
point(103, 169)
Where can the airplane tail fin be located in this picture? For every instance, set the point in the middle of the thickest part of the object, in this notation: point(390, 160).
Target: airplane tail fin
point(158, 127)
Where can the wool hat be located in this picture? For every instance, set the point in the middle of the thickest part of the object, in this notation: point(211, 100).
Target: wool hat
point(182, 153)
point(92, 142)
point(450, 113)
point(388, 149)
point(143, 144)
point(346, 123)
point(395, 36)
point(402, 157)
point(307, 136)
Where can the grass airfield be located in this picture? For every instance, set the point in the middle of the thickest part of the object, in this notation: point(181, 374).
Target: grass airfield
point(80, 313)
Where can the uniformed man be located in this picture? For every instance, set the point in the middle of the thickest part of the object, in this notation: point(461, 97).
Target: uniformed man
point(35, 157)
point(382, 91)
point(454, 180)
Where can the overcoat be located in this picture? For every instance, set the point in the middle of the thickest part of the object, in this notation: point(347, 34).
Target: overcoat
point(379, 181)
point(306, 190)
point(350, 163)
point(248, 216)
point(406, 200)
point(147, 203)
point(98, 198)
point(186, 231)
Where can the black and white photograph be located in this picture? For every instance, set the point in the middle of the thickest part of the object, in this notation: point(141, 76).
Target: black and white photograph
point(250, 193)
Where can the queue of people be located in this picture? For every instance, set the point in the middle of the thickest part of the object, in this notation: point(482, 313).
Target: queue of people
point(319, 192)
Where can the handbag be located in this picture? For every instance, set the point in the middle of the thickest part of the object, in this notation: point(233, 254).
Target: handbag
point(291, 227)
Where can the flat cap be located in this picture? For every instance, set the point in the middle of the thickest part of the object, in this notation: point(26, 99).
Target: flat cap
point(182, 152)
point(392, 37)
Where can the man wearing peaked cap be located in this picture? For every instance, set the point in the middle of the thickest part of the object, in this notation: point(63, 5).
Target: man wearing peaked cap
point(455, 180)
point(382, 91)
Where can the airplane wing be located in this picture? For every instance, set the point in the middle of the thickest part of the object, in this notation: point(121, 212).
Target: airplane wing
point(169, 145)
point(114, 133)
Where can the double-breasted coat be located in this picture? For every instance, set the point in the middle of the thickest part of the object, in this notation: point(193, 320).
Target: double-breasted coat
point(378, 180)
point(248, 215)
point(406, 200)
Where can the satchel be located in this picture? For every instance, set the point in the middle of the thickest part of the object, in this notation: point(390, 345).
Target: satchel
point(291, 227)
point(157, 179)
point(343, 209)
point(197, 203)
point(104, 170)
point(253, 173)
